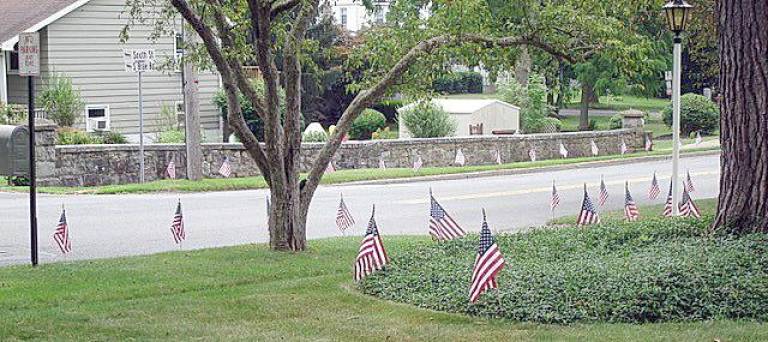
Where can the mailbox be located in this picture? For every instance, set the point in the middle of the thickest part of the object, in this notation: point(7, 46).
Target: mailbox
point(14, 151)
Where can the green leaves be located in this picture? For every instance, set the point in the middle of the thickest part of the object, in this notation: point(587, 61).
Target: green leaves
point(649, 271)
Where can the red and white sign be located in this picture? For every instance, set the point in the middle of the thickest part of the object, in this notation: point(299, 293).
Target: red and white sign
point(29, 54)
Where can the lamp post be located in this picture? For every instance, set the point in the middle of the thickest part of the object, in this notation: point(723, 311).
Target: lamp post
point(677, 12)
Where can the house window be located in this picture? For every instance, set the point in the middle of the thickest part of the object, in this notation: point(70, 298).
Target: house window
point(344, 17)
point(96, 118)
point(13, 60)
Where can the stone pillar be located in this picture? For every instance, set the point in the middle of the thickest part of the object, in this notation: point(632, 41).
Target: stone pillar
point(634, 120)
point(45, 152)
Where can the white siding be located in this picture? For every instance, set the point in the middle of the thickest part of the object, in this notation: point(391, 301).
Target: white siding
point(84, 45)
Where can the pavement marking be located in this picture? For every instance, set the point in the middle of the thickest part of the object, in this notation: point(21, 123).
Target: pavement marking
point(547, 189)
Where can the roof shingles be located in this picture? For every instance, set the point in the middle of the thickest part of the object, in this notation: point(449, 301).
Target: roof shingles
point(19, 15)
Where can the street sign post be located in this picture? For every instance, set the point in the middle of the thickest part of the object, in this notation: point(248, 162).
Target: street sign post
point(140, 61)
point(29, 66)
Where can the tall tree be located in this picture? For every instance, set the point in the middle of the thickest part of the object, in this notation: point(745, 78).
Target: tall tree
point(237, 32)
point(743, 35)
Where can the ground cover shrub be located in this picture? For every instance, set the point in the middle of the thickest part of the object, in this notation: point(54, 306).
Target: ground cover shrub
point(532, 100)
point(385, 133)
point(697, 113)
point(61, 101)
point(615, 122)
point(427, 120)
point(366, 123)
point(12, 114)
point(71, 136)
point(314, 136)
point(650, 271)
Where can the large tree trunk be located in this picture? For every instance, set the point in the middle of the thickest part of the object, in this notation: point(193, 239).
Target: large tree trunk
point(587, 93)
point(743, 201)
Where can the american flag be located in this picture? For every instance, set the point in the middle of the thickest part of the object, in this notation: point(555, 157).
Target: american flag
point(563, 151)
point(225, 169)
point(344, 219)
point(698, 138)
point(689, 183)
point(648, 143)
point(417, 164)
point(687, 207)
point(588, 214)
point(382, 164)
point(498, 157)
point(603, 196)
point(460, 160)
point(488, 263)
point(171, 170)
point(330, 168)
point(595, 150)
point(668, 206)
point(269, 205)
point(623, 148)
point(61, 234)
point(654, 191)
point(442, 227)
point(532, 154)
point(371, 256)
point(555, 197)
point(177, 227)
point(630, 207)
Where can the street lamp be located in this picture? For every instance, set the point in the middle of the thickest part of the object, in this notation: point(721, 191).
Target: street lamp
point(677, 12)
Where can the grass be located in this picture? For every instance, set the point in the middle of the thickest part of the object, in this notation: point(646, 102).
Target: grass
point(624, 102)
point(652, 124)
point(251, 293)
point(340, 176)
point(646, 212)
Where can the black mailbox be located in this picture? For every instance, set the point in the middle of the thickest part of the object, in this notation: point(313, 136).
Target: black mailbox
point(14, 151)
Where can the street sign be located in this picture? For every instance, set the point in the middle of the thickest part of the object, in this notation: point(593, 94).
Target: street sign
point(139, 60)
point(29, 54)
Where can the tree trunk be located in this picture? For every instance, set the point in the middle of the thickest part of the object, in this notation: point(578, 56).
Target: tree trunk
point(586, 93)
point(743, 33)
point(523, 67)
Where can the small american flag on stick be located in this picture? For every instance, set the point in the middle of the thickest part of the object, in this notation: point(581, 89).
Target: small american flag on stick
point(382, 164)
point(668, 205)
point(698, 138)
point(603, 196)
point(655, 190)
point(555, 197)
point(593, 146)
point(371, 256)
point(417, 164)
point(588, 214)
point(442, 227)
point(344, 219)
point(61, 234)
point(226, 168)
point(498, 157)
point(532, 155)
point(330, 168)
point(563, 151)
point(687, 207)
point(488, 262)
point(460, 160)
point(177, 227)
point(689, 183)
point(623, 147)
point(171, 169)
point(630, 207)
point(648, 143)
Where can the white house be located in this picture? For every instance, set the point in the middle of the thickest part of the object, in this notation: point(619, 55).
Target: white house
point(353, 16)
point(475, 116)
point(79, 39)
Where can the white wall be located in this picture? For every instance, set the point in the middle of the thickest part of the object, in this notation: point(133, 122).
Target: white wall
point(357, 15)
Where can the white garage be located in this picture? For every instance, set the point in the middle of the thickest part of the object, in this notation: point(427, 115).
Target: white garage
point(476, 116)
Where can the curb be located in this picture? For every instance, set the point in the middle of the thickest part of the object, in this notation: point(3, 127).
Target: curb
point(482, 174)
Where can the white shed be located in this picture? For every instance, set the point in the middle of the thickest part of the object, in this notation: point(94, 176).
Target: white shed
point(475, 116)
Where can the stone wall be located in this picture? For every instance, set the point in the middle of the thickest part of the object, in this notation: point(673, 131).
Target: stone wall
point(86, 165)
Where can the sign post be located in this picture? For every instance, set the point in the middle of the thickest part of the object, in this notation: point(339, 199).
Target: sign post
point(29, 66)
point(140, 61)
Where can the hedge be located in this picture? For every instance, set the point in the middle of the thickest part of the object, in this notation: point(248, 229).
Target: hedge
point(460, 82)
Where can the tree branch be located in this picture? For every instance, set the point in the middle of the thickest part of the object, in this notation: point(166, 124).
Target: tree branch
point(367, 97)
point(282, 6)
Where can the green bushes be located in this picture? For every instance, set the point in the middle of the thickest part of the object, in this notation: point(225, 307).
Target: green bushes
point(697, 113)
point(71, 136)
point(460, 82)
point(366, 123)
point(649, 271)
point(11, 114)
point(615, 122)
point(314, 136)
point(532, 100)
point(61, 101)
point(427, 120)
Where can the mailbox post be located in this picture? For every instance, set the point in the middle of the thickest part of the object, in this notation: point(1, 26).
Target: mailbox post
point(29, 66)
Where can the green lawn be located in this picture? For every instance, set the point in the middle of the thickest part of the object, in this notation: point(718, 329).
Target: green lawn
point(654, 125)
point(705, 205)
point(251, 293)
point(340, 176)
point(623, 102)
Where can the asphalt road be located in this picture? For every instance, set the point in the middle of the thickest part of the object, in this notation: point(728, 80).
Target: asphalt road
point(118, 225)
